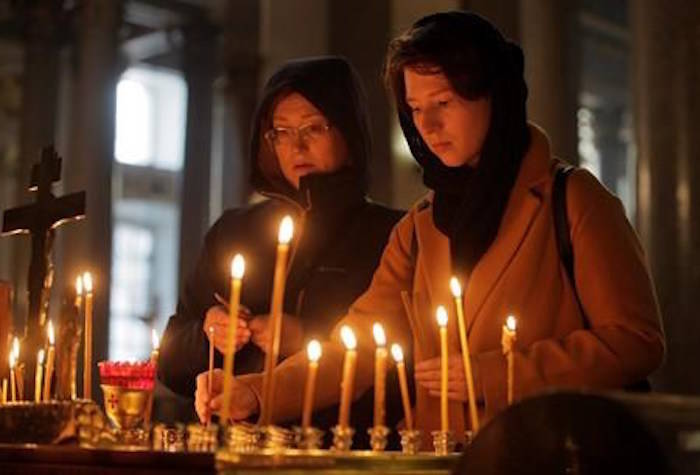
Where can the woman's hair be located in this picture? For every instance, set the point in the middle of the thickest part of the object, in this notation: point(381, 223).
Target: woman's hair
point(478, 62)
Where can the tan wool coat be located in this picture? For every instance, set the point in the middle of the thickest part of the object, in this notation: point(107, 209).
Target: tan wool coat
point(520, 274)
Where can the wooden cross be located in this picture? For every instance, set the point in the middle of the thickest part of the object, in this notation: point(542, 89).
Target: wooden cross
point(40, 219)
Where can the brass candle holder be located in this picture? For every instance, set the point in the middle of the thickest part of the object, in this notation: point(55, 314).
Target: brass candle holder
point(443, 442)
point(275, 438)
point(378, 437)
point(202, 438)
point(308, 438)
point(411, 441)
point(342, 438)
point(241, 437)
point(169, 438)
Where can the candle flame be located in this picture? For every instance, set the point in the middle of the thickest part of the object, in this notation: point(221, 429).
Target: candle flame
point(237, 267)
point(79, 286)
point(13, 360)
point(40, 357)
point(15, 347)
point(379, 335)
point(455, 287)
point(313, 350)
point(154, 339)
point(511, 323)
point(348, 337)
point(397, 352)
point(441, 316)
point(50, 331)
point(87, 282)
point(286, 230)
point(211, 333)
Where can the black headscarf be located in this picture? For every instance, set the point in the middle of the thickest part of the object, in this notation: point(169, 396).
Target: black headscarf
point(479, 62)
point(332, 85)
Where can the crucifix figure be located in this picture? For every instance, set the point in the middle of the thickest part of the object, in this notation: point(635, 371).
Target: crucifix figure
point(40, 219)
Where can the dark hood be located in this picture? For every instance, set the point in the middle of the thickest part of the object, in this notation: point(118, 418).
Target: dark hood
point(331, 84)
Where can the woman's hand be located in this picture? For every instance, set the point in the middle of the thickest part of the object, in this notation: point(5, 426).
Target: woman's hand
point(427, 374)
point(292, 334)
point(218, 317)
point(243, 401)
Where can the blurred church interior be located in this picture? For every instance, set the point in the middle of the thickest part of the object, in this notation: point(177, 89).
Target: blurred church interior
point(149, 103)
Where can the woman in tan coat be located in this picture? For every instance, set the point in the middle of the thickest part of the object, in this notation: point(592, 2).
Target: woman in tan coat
point(488, 219)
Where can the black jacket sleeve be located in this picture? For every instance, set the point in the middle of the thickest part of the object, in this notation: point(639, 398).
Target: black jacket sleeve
point(184, 348)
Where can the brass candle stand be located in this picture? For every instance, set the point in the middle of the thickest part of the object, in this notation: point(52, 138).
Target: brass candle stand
point(202, 438)
point(411, 441)
point(342, 438)
point(443, 442)
point(308, 438)
point(378, 437)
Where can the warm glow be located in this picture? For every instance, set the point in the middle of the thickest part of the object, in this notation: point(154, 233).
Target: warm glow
point(348, 337)
point(313, 350)
point(15, 347)
point(40, 357)
point(379, 335)
point(441, 316)
point(154, 339)
point(79, 286)
point(286, 230)
point(455, 287)
point(51, 334)
point(13, 360)
point(397, 352)
point(511, 323)
point(237, 267)
point(87, 282)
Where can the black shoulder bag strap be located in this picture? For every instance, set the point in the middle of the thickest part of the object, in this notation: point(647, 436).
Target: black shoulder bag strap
point(566, 249)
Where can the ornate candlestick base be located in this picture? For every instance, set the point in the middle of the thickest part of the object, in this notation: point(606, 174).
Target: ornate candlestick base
point(443, 442)
point(242, 437)
point(202, 438)
point(276, 438)
point(411, 441)
point(309, 438)
point(342, 438)
point(377, 437)
point(169, 438)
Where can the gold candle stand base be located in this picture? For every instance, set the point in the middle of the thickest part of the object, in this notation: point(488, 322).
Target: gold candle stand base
point(241, 437)
point(169, 438)
point(342, 438)
point(309, 438)
point(378, 437)
point(443, 442)
point(275, 438)
point(411, 441)
point(202, 438)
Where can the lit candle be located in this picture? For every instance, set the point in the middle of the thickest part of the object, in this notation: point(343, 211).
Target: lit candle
point(442, 323)
point(51, 355)
point(87, 362)
point(275, 322)
point(38, 376)
point(397, 353)
point(19, 370)
point(210, 375)
point(346, 386)
point(79, 292)
point(13, 377)
point(379, 375)
point(4, 390)
point(466, 359)
point(508, 338)
point(313, 351)
point(237, 271)
point(156, 346)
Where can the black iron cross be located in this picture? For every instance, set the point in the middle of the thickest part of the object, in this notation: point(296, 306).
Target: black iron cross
point(40, 219)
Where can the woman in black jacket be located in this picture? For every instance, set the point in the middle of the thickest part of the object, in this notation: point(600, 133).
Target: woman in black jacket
point(310, 148)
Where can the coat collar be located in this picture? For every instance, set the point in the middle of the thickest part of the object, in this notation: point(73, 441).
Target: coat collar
point(523, 205)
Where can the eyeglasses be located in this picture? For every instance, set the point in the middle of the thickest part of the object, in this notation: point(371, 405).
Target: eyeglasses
point(285, 136)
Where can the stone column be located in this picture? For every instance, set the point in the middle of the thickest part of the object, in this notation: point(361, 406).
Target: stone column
point(547, 34)
point(666, 89)
point(365, 48)
point(199, 51)
point(88, 164)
